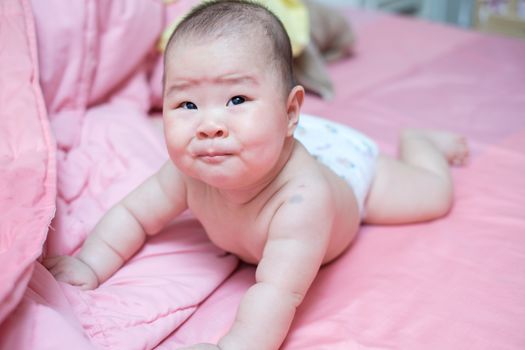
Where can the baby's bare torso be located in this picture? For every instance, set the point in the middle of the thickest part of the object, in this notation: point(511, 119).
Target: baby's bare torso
point(242, 229)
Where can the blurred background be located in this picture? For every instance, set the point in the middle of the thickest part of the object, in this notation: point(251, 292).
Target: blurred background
point(505, 17)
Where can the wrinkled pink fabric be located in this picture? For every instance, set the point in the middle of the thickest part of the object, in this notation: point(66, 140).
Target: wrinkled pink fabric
point(99, 66)
point(456, 283)
point(27, 159)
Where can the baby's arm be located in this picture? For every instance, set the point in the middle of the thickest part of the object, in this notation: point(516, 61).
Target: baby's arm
point(123, 229)
point(295, 249)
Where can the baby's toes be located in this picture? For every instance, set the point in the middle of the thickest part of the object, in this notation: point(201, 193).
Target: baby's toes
point(460, 138)
point(464, 149)
point(461, 154)
point(458, 161)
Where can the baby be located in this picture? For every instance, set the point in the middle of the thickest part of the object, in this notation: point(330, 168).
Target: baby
point(287, 203)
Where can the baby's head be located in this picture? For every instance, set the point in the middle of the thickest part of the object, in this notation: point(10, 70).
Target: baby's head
point(230, 107)
point(249, 23)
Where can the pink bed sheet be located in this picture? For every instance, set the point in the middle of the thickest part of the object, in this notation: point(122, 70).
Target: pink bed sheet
point(456, 283)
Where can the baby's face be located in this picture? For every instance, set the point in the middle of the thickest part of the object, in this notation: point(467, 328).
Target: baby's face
point(225, 115)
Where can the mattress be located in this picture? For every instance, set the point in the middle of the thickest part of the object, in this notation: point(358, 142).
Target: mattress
point(77, 136)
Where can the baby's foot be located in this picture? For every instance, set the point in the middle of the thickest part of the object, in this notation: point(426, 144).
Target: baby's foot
point(453, 146)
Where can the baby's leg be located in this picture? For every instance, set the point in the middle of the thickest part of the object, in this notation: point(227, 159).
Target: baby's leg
point(417, 186)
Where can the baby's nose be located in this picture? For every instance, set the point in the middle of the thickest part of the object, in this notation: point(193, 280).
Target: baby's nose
point(212, 130)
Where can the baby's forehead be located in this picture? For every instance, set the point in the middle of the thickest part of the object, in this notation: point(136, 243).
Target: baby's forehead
point(252, 36)
point(226, 59)
point(252, 47)
point(253, 41)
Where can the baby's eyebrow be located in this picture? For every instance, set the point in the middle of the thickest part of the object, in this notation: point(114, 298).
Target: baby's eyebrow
point(228, 79)
point(237, 79)
point(180, 85)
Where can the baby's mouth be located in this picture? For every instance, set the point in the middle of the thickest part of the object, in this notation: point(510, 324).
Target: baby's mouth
point(214, 157)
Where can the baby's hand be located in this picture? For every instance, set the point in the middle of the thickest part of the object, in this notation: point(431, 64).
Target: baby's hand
point(73, 271)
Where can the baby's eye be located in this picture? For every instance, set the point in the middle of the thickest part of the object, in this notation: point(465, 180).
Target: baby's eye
point(188, 105)
point(236, 100)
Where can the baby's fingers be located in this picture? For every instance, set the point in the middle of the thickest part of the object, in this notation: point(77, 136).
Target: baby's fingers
point(60, 272)
point(70, 270)
point(61, 267)
point(69, 278)
point(49, 263)
point(57, 265)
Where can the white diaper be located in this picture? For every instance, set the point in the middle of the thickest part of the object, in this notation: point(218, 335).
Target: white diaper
point(347, 152)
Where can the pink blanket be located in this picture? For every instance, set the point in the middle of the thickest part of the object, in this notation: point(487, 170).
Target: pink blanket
point(98, 64)
point(456, 283)
point(27, 159)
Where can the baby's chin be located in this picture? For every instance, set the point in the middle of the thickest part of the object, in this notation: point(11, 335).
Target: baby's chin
point(213, 177)
point(228, 175)
point(228, 183)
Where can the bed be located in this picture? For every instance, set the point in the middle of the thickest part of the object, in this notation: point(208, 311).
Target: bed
point(76, 135)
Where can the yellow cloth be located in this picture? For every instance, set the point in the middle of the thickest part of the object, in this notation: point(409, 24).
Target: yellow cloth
point(293, 14)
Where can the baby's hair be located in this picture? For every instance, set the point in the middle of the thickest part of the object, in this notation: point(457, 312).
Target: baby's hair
point(238, 17)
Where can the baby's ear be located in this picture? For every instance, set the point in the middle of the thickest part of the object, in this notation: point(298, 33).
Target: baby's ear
point(293, 107)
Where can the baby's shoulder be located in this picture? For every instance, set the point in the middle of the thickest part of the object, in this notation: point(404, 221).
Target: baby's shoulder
point(306, 174)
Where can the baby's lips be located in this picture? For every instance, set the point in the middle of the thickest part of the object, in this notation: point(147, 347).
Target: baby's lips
point(213, 151)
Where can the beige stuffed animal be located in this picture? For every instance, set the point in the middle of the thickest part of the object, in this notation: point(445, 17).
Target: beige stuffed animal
point(330, 39)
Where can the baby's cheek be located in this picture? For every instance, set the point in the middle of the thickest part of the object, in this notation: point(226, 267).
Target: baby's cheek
point(175, 145)
point(260, 160)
